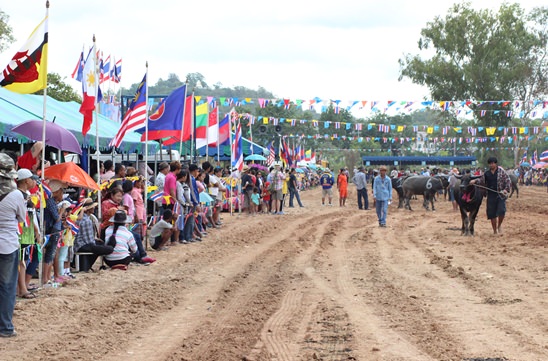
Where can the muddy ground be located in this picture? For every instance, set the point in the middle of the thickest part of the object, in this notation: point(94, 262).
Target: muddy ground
point(319, 283)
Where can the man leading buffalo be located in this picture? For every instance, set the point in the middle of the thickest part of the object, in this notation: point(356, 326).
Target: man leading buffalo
point(498, 186)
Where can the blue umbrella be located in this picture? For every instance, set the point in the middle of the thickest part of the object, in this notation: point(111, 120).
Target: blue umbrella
point(254, 157)
point(525, 164)
point(299, 170)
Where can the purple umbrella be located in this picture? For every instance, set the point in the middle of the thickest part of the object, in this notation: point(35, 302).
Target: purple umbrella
point(56, 135)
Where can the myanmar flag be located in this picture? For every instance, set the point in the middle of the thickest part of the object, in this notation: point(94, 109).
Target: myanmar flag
point(202, 116)
point(27, 71)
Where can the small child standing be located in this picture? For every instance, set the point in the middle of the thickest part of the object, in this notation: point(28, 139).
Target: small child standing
point(266, 198)
point(255, 200)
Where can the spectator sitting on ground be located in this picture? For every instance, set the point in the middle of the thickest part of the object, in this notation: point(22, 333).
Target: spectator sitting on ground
point(161, 232)
point(87, 238)
point(121, 239)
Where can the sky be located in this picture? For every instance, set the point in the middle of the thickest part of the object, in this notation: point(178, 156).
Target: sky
point(300, 49)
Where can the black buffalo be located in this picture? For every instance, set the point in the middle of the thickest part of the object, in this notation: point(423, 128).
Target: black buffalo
point(397, 186)
point(469, 198)
point(427, 186)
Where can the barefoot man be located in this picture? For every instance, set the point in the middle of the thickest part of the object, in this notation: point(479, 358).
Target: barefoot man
point(498, 186)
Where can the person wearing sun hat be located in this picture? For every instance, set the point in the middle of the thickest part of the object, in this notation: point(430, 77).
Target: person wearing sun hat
point(87, 237)
point(121, 240)
point(12, 211)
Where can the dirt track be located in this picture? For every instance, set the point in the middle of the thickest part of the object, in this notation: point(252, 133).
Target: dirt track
point(319, 283)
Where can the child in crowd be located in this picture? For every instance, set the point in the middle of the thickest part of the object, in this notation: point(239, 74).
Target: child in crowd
point(255, 200)
point(266, 198)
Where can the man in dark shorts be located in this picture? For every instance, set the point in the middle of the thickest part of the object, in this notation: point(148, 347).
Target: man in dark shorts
point(498, 186)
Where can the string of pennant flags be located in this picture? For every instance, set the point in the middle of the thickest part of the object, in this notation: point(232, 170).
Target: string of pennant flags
point(428, 130)
point(520, 108)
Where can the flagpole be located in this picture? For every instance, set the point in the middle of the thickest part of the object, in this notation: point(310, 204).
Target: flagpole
point(97, 126)
point(231, 161)
point(43, 166)
point(146, 157)
point(251, 135)
point(193, 117)
point(207, 135)
point(218, 136)
point(182, 126)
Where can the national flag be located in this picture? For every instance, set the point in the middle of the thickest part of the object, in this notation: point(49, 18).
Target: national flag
point(116, 74)
point(73, 226)
point(271, 155)
point(167, 120)
point(177, 208)
point(224, 130)
point(285, 154)
point(89, 90)
point(202, 122)
point(544, 156)
point(156, 196)
point(136, 115)
point(524, 158)
point(534, 158)
point(105, 70)
point(237, 153)
point(79, 68)
point(212, 130)
point(46, 191)
point(308, 155)
point(27, 71)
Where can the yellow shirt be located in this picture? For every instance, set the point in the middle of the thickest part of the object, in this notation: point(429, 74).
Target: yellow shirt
point(284, 185)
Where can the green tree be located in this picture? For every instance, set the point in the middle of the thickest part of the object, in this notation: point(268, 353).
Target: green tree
point(6, 32)
point(483, 56)
point(59, 90)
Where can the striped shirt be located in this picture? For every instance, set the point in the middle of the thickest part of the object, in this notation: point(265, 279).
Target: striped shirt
point(124, 243)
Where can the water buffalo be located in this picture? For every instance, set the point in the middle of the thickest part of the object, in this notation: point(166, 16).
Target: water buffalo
point(397, 186)
point(514, 180)
point(445, 183)
point(469, 199)
point(427, 186)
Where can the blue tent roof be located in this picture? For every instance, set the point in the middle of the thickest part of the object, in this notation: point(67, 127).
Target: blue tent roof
point(402, 160)
point(18, 108)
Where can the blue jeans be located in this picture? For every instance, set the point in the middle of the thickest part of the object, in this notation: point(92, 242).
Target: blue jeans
point(188, 230)
point(9, 269)
point(294, 193)
point(362, 193)
point(382, 209)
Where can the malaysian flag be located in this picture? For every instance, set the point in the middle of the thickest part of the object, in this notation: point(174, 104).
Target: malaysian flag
point(271, 155)
point(136, 115)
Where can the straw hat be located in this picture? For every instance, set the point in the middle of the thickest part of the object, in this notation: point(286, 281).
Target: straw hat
point(89, 204)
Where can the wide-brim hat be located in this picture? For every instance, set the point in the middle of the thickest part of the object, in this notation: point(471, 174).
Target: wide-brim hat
point(277, 164)
point(120, 217)
point(89, 204)
point(245, 169)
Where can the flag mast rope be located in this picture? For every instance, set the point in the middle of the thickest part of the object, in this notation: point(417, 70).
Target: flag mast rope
point(42, 167)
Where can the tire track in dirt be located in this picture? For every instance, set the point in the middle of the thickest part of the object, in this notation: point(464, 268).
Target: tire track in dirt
point(282, 333)
point(465, 290)
point(371, 344)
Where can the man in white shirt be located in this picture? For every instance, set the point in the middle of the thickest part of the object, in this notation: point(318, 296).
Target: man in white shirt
point(12, 211)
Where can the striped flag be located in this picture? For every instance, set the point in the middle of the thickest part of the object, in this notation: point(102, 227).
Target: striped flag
point(271, 155)
point(544, 156)
point(136, 115)
point(524, 158)
point(78, 72)
point(74, 228)
point(156, 196)
point(237, 151)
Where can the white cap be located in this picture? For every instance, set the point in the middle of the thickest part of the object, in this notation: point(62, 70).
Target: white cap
point(23, 174)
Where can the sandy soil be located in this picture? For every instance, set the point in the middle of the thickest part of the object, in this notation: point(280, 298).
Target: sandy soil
point(319, 283)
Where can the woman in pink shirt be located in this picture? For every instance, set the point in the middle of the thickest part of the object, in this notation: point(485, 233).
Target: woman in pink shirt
point(137, 195)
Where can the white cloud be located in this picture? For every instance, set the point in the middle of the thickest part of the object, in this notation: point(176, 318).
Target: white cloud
point(346, 49)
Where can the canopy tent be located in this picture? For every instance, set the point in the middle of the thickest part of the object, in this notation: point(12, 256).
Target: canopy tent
point(17, 108)
point(417, 160)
